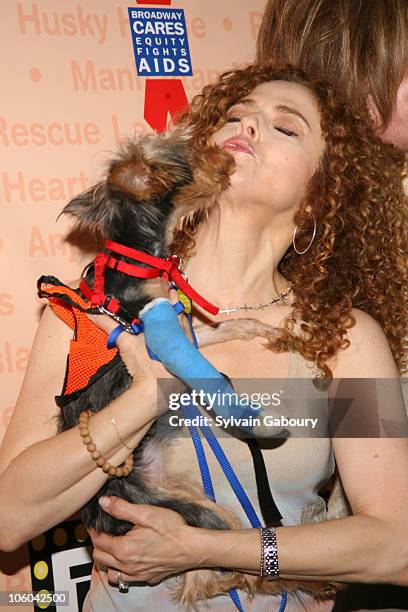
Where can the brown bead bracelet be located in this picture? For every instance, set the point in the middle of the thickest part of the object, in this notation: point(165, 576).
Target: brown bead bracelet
point(101, 461)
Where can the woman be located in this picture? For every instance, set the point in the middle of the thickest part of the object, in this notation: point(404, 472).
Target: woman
point(305, 208)
point(362, 45)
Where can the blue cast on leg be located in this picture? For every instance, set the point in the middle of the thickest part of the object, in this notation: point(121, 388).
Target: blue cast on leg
point(167, 340)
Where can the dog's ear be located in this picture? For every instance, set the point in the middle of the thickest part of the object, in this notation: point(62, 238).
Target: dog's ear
point(145, 170)
point(90, 209)
point(132, 177)
point(151, 167)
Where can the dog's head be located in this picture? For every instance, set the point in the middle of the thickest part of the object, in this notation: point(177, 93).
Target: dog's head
point(153, 182)
point(134, 200)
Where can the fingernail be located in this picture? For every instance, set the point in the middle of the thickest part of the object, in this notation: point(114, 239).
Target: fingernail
point(104, 502)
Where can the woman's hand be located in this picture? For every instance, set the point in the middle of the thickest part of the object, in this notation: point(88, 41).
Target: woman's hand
point(132, 348)
point(157, 546)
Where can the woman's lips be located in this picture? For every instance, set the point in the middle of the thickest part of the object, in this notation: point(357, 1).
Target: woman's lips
point(237, 144)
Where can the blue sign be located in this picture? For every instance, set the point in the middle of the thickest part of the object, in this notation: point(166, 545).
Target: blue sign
point(160, 42)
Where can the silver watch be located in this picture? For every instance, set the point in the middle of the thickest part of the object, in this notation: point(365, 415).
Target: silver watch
point(269, 567)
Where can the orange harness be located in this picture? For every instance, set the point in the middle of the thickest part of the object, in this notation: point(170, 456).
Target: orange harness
point(88, 356)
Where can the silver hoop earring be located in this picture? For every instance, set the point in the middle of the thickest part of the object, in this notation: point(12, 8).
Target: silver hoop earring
point(310, 243)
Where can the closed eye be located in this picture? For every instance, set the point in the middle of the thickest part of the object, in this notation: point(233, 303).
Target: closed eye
point(285, 131)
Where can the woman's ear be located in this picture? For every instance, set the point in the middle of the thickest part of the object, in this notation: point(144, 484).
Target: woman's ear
point(374, 114)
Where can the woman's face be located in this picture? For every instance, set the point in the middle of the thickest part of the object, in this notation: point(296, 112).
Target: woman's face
point(275, 137)
point(397, 129)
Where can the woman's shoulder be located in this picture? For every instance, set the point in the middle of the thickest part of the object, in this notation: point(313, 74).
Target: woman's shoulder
point(49, 320)
point(369, 354)
point(366, 325)
point(49, 351)
point(34, 414)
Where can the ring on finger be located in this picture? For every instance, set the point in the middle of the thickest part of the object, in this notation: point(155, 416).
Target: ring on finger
point(123, 586)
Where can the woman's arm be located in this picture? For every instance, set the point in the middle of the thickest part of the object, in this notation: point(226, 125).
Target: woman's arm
point(372, 545)
point(45, 477)
point(353, 549)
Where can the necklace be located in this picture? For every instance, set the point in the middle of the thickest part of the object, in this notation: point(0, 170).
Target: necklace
point(187, 302)
point(245, 307)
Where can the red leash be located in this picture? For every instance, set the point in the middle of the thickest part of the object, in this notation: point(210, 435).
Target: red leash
point(159, 267)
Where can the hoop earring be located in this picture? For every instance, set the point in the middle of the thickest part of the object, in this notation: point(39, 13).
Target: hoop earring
point(310, 243)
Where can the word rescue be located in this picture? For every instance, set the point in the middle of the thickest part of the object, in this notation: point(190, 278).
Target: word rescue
point(160, 42)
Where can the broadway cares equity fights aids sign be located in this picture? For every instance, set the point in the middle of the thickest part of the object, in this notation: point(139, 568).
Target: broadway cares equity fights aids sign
point(160, 42)
point(160, 45)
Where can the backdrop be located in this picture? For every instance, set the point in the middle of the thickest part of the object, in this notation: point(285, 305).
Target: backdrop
point(70, 92)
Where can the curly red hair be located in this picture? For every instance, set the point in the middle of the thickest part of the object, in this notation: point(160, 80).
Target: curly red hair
point(359, 255)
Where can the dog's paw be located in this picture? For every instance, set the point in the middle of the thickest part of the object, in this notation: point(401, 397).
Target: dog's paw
point(247, 329)
point(235, 329)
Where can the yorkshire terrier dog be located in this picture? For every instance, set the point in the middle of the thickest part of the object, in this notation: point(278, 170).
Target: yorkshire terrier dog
point(153, 183)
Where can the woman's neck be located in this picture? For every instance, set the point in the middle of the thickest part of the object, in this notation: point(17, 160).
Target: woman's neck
point(236, 260)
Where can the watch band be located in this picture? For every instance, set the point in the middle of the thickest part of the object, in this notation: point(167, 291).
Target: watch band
point(269, 566)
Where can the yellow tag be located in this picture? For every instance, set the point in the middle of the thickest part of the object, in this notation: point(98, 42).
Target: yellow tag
point(185, 301)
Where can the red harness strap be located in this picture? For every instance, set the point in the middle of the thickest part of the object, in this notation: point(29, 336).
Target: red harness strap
point(166, 268)
point(98, 295)
point(99, 299)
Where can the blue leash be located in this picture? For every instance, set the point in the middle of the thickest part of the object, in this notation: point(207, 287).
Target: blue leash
point(191, 411)
point(207, 484)
point(215, 446)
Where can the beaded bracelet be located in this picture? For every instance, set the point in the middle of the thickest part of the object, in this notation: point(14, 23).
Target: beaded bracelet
point(269, 567)
point(100, 461)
